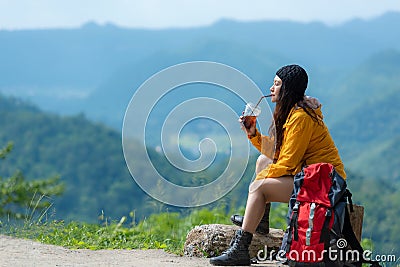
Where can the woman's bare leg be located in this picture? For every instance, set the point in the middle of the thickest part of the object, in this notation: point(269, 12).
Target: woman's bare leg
point(261, 192)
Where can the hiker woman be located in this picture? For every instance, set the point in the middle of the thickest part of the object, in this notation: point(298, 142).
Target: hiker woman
point(300, 138)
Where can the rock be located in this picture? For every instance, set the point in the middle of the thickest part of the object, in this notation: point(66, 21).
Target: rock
point(211, 239)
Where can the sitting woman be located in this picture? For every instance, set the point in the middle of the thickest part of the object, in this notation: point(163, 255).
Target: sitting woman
point(300, 138)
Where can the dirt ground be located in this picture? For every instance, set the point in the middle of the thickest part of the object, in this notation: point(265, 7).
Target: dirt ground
point(22, 252)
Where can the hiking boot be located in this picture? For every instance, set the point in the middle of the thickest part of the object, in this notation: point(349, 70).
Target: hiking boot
point(263, 226)
point(238, 253)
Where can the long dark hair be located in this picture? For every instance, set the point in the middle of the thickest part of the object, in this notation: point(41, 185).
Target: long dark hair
point(287, 99)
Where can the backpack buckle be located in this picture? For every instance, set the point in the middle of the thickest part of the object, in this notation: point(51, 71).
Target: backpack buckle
point(328, 213)
point(296, 206)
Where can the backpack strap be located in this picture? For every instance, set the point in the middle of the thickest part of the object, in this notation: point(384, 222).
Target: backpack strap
point(325, 229)
point(293, 226)
point(348, 195)
point(295, 218)
point(349, 233)
point(352, 239)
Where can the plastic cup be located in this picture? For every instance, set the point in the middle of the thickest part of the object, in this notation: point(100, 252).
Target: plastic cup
point(250, 114)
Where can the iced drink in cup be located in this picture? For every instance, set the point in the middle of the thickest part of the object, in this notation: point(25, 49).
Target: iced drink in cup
point(250, 115)
point(251, 112)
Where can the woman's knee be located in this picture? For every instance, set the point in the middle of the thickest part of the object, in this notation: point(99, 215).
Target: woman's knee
point(273, 189)
point(256, 190)
point(255, 186)
point(262, 162)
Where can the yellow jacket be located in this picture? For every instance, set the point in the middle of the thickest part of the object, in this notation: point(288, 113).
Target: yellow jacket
point(304, 142)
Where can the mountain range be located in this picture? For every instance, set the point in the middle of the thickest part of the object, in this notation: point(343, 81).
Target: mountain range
point(95, 69)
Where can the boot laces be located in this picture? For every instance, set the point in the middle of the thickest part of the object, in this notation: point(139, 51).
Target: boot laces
point(233, 245)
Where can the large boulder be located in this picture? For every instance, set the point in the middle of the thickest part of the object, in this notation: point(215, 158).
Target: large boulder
point(211, 239)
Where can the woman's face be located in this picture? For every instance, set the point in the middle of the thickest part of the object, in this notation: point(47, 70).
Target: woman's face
point(275, 89)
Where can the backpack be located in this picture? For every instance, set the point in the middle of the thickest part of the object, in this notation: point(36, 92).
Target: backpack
point(319, 231)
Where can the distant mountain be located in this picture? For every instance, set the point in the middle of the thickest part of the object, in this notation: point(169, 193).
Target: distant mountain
point(109, 101)
point(365, 121)
point(370, 29)
point(62, 70)
point(372, 80)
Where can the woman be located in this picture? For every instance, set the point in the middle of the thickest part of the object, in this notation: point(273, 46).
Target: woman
point(301, 139)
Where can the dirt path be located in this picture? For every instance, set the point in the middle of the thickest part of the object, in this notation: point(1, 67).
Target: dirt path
point(22, 252)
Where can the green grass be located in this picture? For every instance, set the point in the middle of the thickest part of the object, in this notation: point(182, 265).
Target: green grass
point(159, 231)
point(166, 230)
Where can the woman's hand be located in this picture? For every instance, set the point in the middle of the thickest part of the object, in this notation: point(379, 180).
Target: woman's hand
point(248, 124)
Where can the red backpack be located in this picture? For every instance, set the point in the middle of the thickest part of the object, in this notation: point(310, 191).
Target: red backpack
point(319, 231)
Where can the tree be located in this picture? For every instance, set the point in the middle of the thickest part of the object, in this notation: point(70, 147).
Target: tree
point(21, 199)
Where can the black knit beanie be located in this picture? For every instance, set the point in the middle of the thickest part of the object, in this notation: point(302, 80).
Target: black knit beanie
point(294, 78)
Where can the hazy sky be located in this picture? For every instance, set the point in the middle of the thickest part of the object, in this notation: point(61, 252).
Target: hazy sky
point(29, 14)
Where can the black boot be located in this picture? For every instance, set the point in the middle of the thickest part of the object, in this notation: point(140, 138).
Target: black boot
point(263, 226)
point(238, 253)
